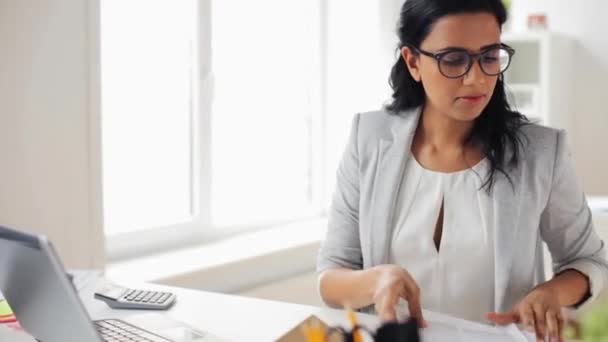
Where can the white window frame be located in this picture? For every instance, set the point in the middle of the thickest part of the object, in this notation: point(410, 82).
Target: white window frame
point(199, 229)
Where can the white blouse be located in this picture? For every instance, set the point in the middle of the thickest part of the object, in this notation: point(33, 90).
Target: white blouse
point(459, 278)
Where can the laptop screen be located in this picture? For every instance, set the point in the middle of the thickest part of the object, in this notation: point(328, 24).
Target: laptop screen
point(34, 282)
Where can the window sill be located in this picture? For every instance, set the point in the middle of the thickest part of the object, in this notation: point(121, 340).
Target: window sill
point(231, 265)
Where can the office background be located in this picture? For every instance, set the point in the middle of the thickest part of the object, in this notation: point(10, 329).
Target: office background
point(50, 139)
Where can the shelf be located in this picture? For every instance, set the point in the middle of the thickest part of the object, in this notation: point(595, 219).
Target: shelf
point(539, 81)
point(524, 97)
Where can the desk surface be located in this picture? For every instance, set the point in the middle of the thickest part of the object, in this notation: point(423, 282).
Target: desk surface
point(231, 317)
point(248, 319)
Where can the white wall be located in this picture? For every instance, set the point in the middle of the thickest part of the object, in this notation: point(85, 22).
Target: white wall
point(586, 22)
point(48, 177)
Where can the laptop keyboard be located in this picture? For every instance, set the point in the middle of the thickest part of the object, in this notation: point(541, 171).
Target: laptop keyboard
point(113, 330)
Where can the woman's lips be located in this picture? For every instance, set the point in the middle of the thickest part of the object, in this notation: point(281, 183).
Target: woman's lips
point(473, 99)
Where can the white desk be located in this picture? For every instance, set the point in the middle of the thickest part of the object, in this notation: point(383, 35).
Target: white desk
point(249, 319)
point(232, 317)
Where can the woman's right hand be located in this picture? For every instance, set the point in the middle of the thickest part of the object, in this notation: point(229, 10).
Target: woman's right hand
point(392, 284)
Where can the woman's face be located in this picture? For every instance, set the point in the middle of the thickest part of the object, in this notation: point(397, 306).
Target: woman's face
point(462, 98)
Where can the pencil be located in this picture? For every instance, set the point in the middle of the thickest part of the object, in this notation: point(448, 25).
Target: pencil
point(352, 317)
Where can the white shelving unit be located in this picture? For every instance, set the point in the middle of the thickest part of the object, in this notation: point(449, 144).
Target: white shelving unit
point(540, 80)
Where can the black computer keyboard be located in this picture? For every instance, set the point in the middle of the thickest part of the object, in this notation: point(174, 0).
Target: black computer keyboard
point(114, 330)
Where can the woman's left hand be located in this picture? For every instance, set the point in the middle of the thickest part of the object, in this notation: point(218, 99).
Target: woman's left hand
point(539, 311)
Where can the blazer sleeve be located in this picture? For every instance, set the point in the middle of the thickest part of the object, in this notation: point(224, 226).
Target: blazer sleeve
point(567, 227)
point(341, 247)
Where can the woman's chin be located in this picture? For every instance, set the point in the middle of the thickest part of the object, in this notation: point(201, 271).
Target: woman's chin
point(466, 115)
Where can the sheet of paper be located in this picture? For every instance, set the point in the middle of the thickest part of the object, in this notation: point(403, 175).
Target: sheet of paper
point(448, 328)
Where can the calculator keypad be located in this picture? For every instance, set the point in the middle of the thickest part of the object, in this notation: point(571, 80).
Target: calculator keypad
point(146, 297)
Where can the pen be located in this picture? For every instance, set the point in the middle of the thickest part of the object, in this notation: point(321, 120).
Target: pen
point(352, 317)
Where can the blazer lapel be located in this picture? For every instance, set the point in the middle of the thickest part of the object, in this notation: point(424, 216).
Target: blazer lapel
point(505, 210)
point(389, 174)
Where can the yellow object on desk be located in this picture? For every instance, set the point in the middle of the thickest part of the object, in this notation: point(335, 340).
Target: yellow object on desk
point(6, 314)
point(303, 333)
point(5, 310)
point(314, 332)
point(352, 317)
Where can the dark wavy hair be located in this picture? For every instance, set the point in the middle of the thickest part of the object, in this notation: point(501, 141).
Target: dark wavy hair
point(498, 126)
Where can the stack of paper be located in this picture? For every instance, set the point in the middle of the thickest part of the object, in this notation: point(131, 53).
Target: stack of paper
point(448, 328)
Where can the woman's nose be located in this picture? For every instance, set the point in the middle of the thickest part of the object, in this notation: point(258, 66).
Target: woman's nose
point(475, 74)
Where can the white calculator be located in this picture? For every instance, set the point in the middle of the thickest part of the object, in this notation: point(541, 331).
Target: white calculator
point(118, 297)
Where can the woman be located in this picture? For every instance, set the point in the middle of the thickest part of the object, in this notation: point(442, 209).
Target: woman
point(444, 198)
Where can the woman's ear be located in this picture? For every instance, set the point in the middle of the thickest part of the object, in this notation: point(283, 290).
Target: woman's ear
point(411, 61)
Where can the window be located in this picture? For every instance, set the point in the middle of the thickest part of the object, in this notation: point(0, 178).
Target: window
point(225, 115)
point(147, 96)
point(211, 116)
point(266, 67)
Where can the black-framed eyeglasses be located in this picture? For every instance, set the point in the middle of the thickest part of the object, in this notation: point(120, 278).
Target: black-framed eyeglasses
point(455, 63)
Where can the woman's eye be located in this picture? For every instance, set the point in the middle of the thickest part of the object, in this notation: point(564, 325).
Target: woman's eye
point(491, 56)
point(454, 60)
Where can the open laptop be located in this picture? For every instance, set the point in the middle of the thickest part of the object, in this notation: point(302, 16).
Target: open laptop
point(45, 302)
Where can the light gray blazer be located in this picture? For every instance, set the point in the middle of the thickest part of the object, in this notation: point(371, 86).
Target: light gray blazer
point(544, 203)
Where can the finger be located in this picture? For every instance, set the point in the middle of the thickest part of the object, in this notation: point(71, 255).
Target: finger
point(412, 295)
point(516, 317)
point(560, 325)
point(540, 321)
point(416, 312)
point(502, 319)
point(386, 307)
point(552, 324)
point(388, 315)
point(386, 312)
point(527, 317)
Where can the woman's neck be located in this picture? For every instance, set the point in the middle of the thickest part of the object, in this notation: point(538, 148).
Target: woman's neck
point(440, 131)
